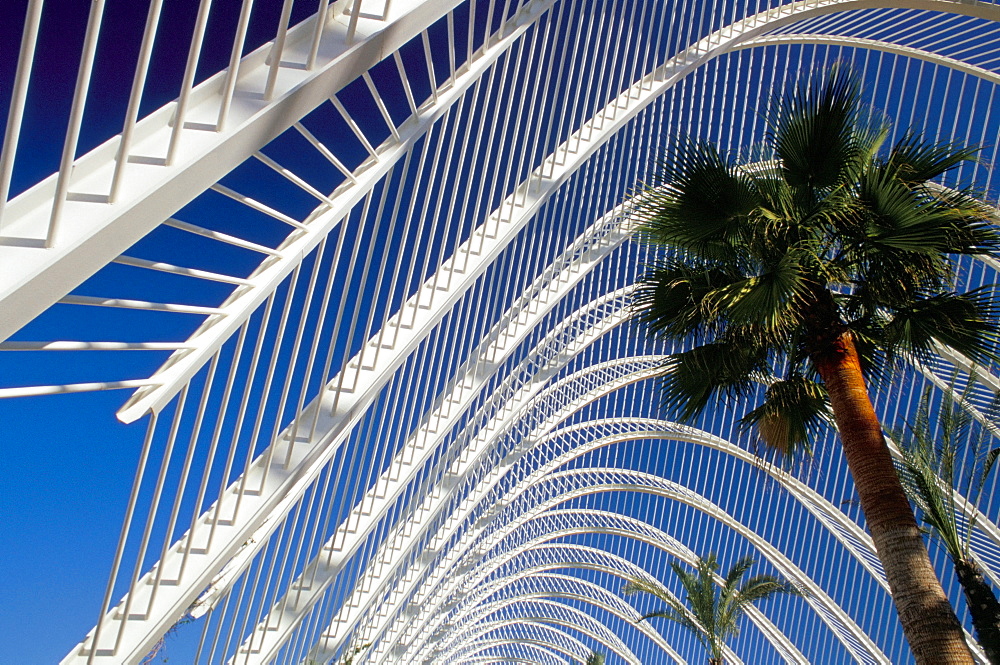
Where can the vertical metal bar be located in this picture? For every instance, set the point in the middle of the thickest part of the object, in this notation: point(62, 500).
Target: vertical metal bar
point(326, 152)
point(272, 366)
point(153, 509)
point(414, 108)
point(429, 59)
point(341, 310)
point(15, 115)
point(451, 45)
point(123, 536)
point(354, 127)
point(75, 118)
point(380, 103)
point(232, 73)
point(470, 50)
point(352, 25)
point(321, 17)
point(277, 50)
point(233, 443)
point(182, 481)
point(244, 404)
point(187, 83)
point(307, 302)
point(135, 96)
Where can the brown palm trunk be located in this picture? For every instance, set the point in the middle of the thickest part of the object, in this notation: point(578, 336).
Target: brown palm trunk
point(983, 607)
point(928, 620)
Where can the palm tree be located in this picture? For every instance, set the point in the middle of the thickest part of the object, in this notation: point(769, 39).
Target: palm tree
point(929, 477)
point(808, 269)
point(595, 658)
point(714, 612)
point(352, 652)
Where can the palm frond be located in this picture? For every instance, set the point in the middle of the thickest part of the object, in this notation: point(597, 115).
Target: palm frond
point(917, 160)
point(966, 322)
point(691, 379)
point(737, 571)
point(921, 220)
point(760, 587)
point(669, 298)
point(989, 461)
point(794, 412)
point(928, 473)
point(770, 300)
point(697, 202)
point(824, 117)
point(886, 277)
point(674, 610)
point(715, 607)
point(595, 658)
point(972, 229)
point(647, 585)
point(928, 492)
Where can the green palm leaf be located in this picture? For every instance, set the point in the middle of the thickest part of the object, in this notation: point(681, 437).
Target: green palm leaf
point(826, 118)
point(715, 605)
point(670, 299)
point(966, 322)
point(793, 412)
point(916, 160)
point(828, 258)
point(696, 184)
point(692, 379)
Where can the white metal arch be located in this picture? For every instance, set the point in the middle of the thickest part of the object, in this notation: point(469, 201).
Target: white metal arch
point(547, 491)
point(395, 641)
point(514, 651)
point(549, 585)
point(542, 554)
point(583, 522)
point(843, 529)
point(362, 37)
point(540, 635)
point(519, 610)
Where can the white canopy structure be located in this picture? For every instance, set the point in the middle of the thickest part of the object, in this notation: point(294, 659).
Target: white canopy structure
point(362, 290)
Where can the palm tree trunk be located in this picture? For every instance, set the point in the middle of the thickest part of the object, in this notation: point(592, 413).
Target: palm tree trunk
point(928, 620)
point(983, 607)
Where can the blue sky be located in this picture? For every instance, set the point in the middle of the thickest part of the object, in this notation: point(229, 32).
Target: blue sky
point(70, 462)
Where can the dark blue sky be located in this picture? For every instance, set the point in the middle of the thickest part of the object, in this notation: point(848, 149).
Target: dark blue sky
point(70, 463)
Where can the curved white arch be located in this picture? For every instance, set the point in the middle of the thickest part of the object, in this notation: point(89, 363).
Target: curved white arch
point(928, 56)
point(542, 610)
point(842, 528)
point(533, 632)
point(843, 626)
point(806, 8)
point(511, 648)
point(550, 585)
point(589, 558)
point(825, 606)
point(593, 521)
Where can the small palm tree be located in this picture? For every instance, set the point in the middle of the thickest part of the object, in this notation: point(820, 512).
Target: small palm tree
point(595, 658)
point(714, 611)
point(352, 653)
point(807, 270)
point(930, 474)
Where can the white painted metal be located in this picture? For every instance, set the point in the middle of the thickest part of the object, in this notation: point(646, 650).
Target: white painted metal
point(151, 191)
point(821, 508)
point(393, 537)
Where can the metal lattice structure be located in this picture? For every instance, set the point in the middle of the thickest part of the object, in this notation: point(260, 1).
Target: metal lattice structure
point(377, 267)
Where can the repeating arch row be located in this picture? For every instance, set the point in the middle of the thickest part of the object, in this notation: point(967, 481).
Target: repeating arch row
point(302, 468)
